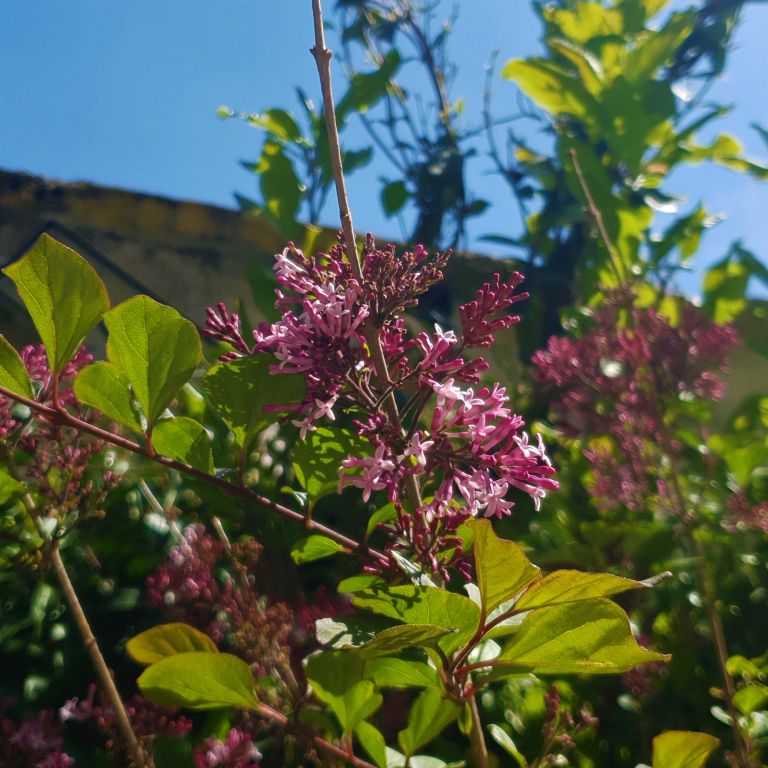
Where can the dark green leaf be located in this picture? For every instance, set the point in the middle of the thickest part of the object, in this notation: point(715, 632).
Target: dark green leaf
point(394, 196)
point(317, 458)
point(199, 681)
point(395, 639)
point(63, 295)
point(365, 89)
point(337, 679)
point(240, 389)
point(424, 605)
point(10, 488)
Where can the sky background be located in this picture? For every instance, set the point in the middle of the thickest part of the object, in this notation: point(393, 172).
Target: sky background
point(125, 94)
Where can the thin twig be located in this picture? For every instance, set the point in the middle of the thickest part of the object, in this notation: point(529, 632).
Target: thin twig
point(124, 727)
point(322, 57)
point(231, 489)
point(597, 217)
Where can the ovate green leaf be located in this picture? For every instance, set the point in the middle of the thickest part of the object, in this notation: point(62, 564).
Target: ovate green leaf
point(166, 640)
point(393, 672)
point(337, 679)
point(395, 639)
point(63, 295)
point(102, 386)
point(424, 605)
point(154, 348)
point(428, 716)
point(13, 372)
point(592, 637)
point(199, 680)
point(501, 566)
point(683, 749)
point(184, 439)
point(572, 586)
point(314, 548)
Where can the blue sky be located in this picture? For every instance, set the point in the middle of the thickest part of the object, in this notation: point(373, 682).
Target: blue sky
point(125, 94)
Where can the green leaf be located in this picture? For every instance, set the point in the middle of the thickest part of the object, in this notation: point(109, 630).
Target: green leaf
point(13, 372)
point(394, 196)
point(10, 488)
point(391, 672)
point(683, 749)
point(572, 586)
point(199, 680)
point(63, 295)
point(750, 698)
point(382, 515)
point(317, 458)
point(280, 186)
point(240, 389)
point(549, 86)
point(504, 740)
point(365, 89)
point(279, 123)
point(358, 583)
point(348, 631)
point(657, 49)
point(592, 637)
point(155, 350)
point(166, 640)
point(373, 743)
point(502, 567)
point(184, 439)
point(314, 548)
point(428, 716)
point(103, 387)
point(395, 639)
point(337, 680)
point(424, 605)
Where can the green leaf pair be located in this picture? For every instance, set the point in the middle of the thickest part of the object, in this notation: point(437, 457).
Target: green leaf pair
point(185, 669)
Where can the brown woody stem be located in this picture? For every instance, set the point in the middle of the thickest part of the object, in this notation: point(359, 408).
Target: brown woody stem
point(479, 750)
point(124, 727)
point(231, 489)
point(322, 57)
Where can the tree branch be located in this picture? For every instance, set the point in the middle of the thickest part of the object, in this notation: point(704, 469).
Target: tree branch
point(231, 489)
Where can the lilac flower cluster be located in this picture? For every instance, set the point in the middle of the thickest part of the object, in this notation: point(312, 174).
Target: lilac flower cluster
point(619, 379)
point(148, 720)
point(33, 743)
point(235, 751)
point(474, 450)
point(60, 460)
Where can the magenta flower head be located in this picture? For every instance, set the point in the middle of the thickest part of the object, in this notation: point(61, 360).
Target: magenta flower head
point(445, 448)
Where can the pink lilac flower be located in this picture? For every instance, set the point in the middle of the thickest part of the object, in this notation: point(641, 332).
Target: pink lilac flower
point(236, 751)
point(148, 720)
point(35, 742)
point(474, 451)
point(618, 379)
